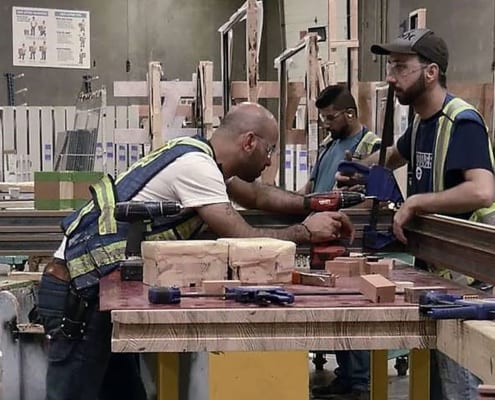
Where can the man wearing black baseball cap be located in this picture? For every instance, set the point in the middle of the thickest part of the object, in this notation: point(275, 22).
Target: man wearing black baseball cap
point(422, 42)
point(450, 155)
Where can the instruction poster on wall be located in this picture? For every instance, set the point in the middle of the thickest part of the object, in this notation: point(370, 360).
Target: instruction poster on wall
point(44, 37)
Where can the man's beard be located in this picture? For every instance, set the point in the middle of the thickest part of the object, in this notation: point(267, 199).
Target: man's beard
point(409, 96)
point(341, 134)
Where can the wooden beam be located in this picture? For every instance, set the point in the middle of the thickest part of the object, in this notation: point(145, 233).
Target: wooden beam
point(252, 50)
point(155, 73)
point(205, 78)
point(311, 93)
point(354, 51)
point(267, 89)
point(471, 344)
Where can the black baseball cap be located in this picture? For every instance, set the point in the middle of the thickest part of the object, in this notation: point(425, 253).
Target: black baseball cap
point(423, 42)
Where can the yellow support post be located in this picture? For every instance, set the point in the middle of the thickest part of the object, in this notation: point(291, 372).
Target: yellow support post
point(167, 376)
point(379, 375)
point(419, 374)
point(258, 375)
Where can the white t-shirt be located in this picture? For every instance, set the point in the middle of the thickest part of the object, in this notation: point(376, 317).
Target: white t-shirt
point(193, 180)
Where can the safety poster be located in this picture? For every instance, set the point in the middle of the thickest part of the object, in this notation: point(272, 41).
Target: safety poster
point(45, 37)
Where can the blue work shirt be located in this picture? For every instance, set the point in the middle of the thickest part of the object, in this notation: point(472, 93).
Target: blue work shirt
point(323, 173)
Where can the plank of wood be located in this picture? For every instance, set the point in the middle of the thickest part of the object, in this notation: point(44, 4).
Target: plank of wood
point(6, 204)
point(471, 344)
point(47, 139)
point(24, 187)
point(377, 288)
point(25, 276)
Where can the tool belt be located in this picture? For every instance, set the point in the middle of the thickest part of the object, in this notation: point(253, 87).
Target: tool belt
point(60, 307)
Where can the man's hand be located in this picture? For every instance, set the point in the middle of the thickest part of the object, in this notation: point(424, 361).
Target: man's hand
point(403, 216)
point(328, 226)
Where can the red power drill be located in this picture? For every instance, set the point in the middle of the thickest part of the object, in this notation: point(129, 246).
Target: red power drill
point(329, 201)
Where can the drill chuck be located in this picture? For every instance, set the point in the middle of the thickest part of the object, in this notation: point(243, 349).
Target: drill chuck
point(145, 210)
point(350, 199)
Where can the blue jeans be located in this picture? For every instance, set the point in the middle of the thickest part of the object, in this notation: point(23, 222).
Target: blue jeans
point(84, 368)
point(354, 369)
point(449, 380)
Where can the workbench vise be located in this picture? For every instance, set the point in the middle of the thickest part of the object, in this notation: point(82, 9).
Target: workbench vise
point(449, 306)
point(258, 295)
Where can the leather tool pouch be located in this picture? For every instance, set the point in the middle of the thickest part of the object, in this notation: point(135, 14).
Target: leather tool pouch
point(60, 308)
point(73, 324)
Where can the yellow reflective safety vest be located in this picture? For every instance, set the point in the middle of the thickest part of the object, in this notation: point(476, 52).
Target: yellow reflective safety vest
point(453, 111)
point(96, 241)
point(366, 145)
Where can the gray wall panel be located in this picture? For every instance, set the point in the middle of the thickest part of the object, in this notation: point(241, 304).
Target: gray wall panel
point(179, 33)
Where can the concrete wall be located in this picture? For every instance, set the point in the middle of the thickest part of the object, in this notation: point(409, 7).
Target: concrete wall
point(179, 33)
point(467, 27)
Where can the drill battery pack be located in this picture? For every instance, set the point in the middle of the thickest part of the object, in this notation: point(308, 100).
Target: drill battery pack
point(131, 270)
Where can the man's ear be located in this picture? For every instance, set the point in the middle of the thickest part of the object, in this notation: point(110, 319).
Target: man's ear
point(431, 72)
point(249, 141)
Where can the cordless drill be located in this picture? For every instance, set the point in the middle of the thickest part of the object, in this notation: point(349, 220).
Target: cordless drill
point(137, 213)
point(329, 201)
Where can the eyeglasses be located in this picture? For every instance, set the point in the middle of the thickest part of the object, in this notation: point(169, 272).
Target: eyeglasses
point(401, 69)
point(269, 148)
point(330, 117)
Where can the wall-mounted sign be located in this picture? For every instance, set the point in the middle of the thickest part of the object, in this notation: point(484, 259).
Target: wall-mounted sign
point(45, 37)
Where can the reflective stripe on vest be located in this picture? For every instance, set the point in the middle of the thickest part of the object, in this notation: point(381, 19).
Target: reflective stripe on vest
point(96, 239)
point(366, 145)
point(444, 131)
point(104, 197)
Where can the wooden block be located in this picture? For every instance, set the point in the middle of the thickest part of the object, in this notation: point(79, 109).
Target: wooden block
point(412, 294)
point(382, 267)
point(344, 267)
point(184, 263)
point(218, 287)
point(313, 279)
point(261, 260)
point(401, 285)
point(360, 259)
point(377, 288)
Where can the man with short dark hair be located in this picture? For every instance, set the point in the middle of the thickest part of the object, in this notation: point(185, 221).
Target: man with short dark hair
point(339, 115)
point(347, 135)
point(451, 161)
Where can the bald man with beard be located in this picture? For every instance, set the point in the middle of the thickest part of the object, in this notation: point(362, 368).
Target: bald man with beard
point(201, 175)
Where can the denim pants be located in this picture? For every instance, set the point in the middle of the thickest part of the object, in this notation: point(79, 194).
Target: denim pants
point(354, 369)
point(449, 380)
point(84, 368)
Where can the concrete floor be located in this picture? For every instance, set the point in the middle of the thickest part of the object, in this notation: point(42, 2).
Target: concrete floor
point(398, 388)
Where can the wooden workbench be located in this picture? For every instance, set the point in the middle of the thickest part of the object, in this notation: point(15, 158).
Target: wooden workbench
point(339, 322)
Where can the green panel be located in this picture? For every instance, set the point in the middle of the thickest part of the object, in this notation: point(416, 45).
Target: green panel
point(53, 204)
point(48, 176)
point(86, 176)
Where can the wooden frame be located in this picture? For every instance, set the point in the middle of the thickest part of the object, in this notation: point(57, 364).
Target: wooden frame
point(352, 42)
point(251, 10)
